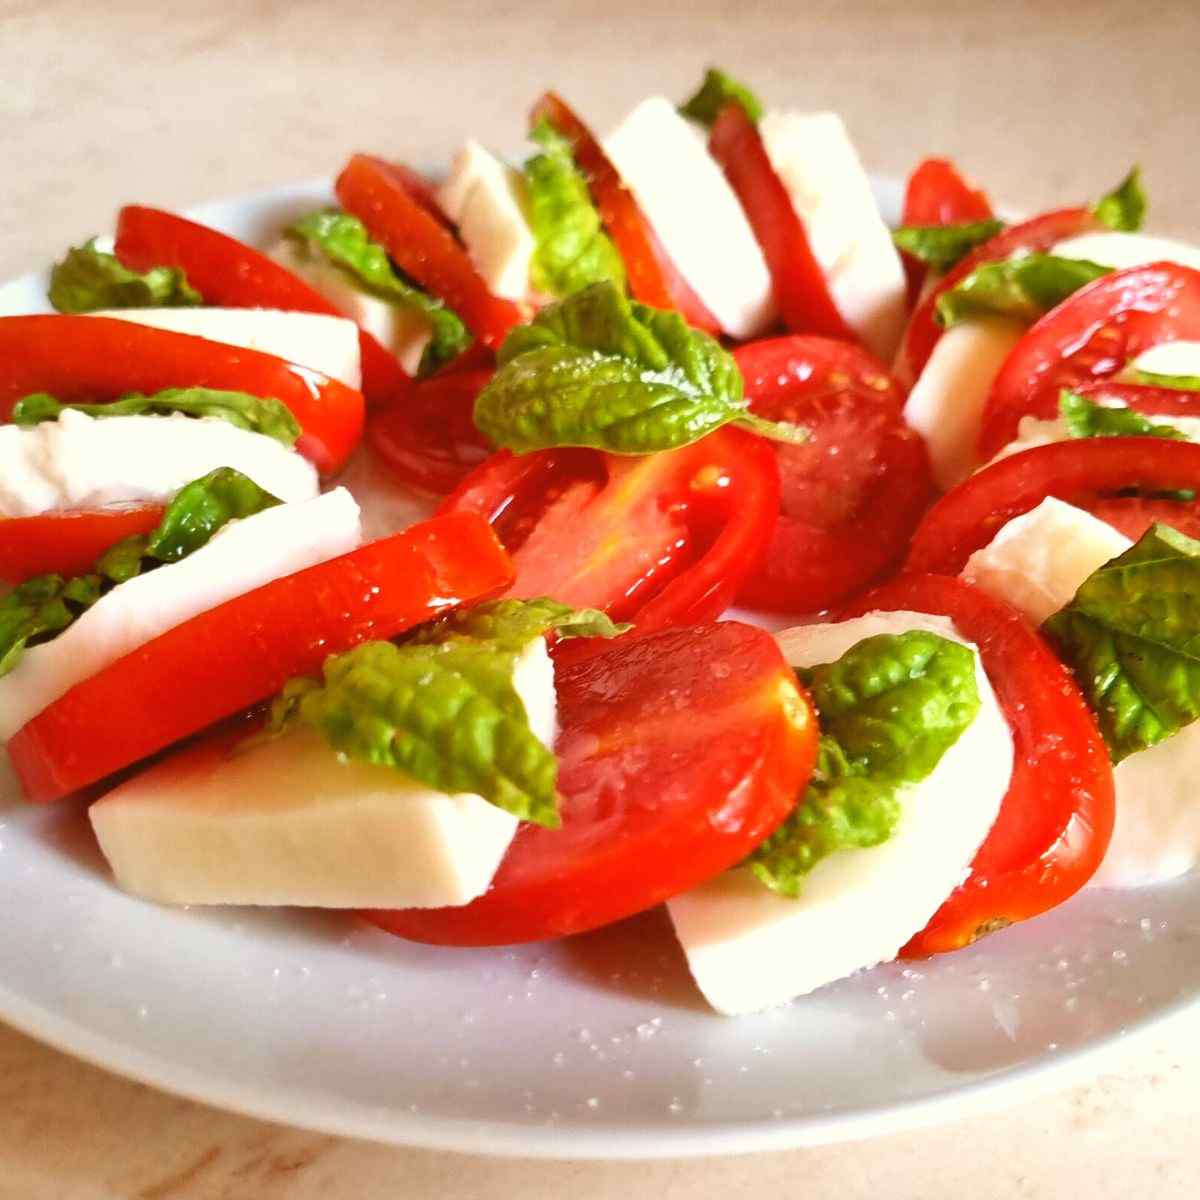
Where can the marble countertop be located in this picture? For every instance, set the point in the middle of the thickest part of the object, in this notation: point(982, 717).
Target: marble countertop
point(1045, 104)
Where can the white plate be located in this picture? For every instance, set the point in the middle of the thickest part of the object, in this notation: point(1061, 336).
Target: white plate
point(594, 1047)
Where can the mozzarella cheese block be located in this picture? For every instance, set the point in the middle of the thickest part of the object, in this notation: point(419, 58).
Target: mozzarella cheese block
point(314, 340)
point(1169, 358)
point(1123, 250)
point(402, 330)
point(78, 461)
point(946, 403)
point(288, 822)
point(816, 161)
point(1036, 431)
point(750, 948)
point(486, 199)
point(684, 195)
point(242, 556)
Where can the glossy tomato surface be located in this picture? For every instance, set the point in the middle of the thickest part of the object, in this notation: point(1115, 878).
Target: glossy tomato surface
point(68, 541)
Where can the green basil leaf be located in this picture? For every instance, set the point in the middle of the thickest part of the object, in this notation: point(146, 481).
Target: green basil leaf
point(343, 240)
point(1124, 208)
point(257, 414)
point(88, 279)
point(518, 622)
point(38, 609)
point(1132, 637)
point(1025, 288)
point(943, 246)
point(890, 707)
point(717, 90)
point(1085, 419)
point(1178, 383)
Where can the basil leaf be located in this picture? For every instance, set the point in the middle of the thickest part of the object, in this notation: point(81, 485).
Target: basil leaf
point(344, 241)
point(518, 622)
point(1124, 208)
point(1025, 288)
point(1178, 383)
point(890, 707)
point(38, 609)
point(572, 248)
point(1085, 419)
point(943, 246)
point(717, 90)
point(1132, 637)
point(88, 279)
point(257, 414)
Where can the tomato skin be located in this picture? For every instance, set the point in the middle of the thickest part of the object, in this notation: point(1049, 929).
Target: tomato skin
point(244, 651)
point(68, 541)
point(1091, 335)
point(228, 273)
point(679, 753)
point(653, 277)
point(1056, 820)
point(850, 496)
point(711, 506)
point(801, 292)
point(969, 516)
point(1133, 515)
point(378, 194)
point(99, 358)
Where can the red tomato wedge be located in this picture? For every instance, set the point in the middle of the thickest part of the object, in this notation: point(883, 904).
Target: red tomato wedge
point(245, 650)
point(1078, 471)
point(653, 277)
point(1056, 820)
point(428, 437)
point(68, 541)
point(379, 195)
point(853, 493)
point(1133, 515)
point(98, 358)
point(664, 539)
point(1035, 236)
point(803, 296)
point(1091, 335)
point(679, 753)
point(228, 273)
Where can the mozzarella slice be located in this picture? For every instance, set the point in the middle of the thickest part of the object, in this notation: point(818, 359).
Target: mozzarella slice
point(78, 461)
point(749, 948)
point(946, 404)
point(1036, 431)
point(402, 330)
point(244, 555)
point(695, 213)
point(288, 822)
point(1123, 250)
point(816, 161)
point(1170, 358)
point(486, 199)
point(314, 340)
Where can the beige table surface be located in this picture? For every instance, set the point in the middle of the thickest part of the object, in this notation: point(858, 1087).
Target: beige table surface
point(106, 102)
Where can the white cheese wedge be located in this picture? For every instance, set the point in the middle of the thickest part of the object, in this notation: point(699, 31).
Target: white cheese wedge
point(314, 340)
point(684, 195)
point(288, 823)
point(750, 948)
point(818, 165)
point(401, 329)
point(1168, 358)
point(242, 556)
point(486, 199)
point(1123, 250)
point(946, 404)
point(78, 461)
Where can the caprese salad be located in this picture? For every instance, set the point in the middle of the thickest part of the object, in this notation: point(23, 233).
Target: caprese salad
point(644, 378)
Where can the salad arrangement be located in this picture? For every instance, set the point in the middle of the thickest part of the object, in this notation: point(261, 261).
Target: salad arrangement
point(647, 377)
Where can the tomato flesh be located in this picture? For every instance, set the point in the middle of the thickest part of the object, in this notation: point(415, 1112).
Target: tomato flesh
point(244, 651)
point(1056, 819)
point(679, 753)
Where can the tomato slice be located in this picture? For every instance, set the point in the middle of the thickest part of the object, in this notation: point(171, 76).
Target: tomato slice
point(1031, 237)
point(653, 277)
point(1078, 471)
point(853, 493)
point(1133, 515)
point(1056, 820)
point(98, 358)
point(428, 436)
point(245, 650)
point(379, 194)
point(1091, 335)
point(679, 753)
point(68, 541)
point(801, 292)
point(661, 539)
point(229, 273)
